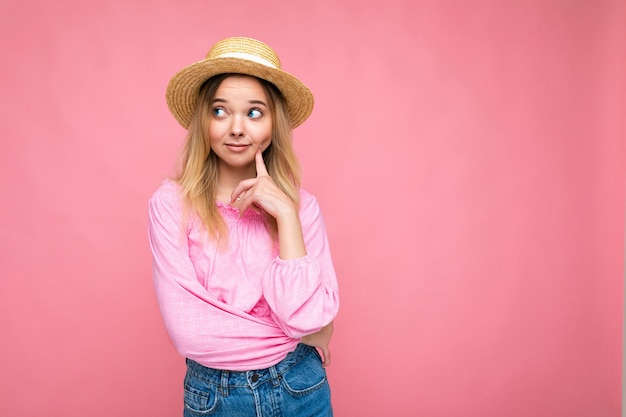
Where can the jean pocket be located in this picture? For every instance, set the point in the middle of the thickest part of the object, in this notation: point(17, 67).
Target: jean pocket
point(305, 377)
point(200, 397)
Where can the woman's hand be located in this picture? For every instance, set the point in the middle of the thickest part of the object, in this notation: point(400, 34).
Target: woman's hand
point(320, 340)
point(263, 193)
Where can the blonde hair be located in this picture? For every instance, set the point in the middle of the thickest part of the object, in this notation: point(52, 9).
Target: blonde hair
point(199, 165)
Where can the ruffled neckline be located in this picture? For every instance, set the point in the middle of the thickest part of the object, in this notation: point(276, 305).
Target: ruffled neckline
point(234, 210)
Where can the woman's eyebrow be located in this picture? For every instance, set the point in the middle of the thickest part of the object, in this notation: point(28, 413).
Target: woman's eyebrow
point(258, 102)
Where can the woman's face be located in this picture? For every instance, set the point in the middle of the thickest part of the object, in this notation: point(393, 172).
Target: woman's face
point(240, 121)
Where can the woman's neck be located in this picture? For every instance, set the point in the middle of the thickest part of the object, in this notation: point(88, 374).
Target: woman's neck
point(229, 178)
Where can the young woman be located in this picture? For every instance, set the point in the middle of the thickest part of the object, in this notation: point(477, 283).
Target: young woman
point(241, 263)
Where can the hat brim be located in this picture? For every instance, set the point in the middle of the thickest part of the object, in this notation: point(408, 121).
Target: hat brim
point(183, 88)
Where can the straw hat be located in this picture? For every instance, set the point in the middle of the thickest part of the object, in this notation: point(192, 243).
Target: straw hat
point(240, 56)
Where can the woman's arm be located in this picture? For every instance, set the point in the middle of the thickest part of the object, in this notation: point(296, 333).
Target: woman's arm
point(320, 340)
point(300, 286)
point(200, 326)
point(262, 192)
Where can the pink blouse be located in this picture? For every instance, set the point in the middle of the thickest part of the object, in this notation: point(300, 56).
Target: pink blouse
point(242, 307)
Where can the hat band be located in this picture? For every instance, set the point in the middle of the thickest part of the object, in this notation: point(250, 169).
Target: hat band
point(249, 57)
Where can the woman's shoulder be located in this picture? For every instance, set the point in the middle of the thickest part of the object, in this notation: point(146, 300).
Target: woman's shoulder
point(308, 203)
point(306, 198)
point(168, 191)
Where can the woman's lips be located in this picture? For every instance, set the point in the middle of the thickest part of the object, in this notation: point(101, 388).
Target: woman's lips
point(237, 147)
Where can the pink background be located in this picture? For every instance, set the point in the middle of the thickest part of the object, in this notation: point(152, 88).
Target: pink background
point(470, 158)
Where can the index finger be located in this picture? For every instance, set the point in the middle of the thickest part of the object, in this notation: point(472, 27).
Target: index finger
point(261, 170)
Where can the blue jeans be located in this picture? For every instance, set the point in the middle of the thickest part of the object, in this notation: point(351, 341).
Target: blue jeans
point(296, 386)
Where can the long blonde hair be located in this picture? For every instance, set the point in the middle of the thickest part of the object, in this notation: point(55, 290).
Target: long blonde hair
point(199, 165)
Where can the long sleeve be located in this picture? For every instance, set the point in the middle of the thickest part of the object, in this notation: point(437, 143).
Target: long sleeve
point(201, 325)
point(303, 293)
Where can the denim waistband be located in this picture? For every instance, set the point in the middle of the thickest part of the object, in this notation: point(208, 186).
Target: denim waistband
point(253, 378)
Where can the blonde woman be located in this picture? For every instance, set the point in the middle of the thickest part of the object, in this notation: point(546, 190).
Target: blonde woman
point(241, 263)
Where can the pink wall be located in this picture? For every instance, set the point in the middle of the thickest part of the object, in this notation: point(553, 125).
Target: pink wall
point(470, 158)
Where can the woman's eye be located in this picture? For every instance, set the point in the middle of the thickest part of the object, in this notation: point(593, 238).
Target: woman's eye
point(218, 111)
point(255, 113)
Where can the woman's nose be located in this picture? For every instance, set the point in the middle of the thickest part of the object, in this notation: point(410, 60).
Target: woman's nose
point(237, 127)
